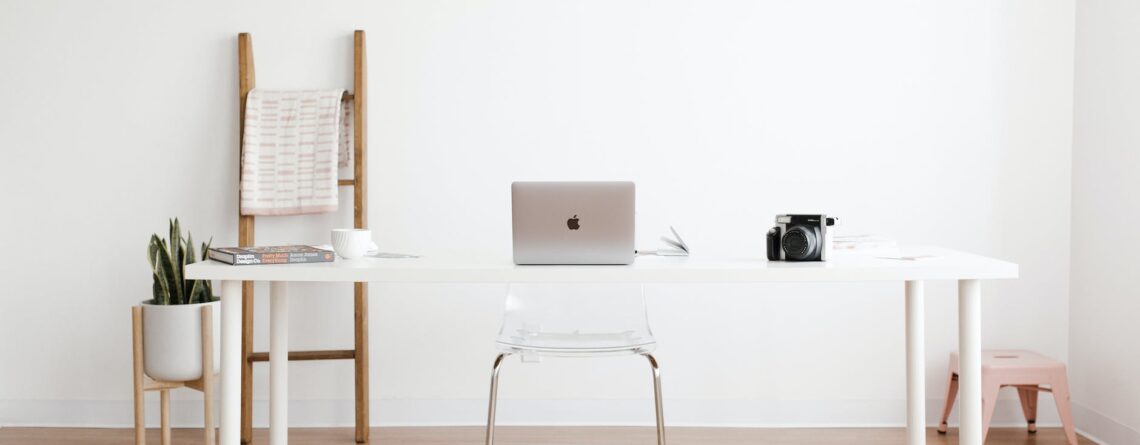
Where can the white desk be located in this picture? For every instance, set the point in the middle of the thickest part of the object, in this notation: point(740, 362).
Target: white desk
point(967, 269)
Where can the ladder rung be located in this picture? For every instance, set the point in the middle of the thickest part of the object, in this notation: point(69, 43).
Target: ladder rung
point(344, 182)
point(347, 96)
point(307, 355)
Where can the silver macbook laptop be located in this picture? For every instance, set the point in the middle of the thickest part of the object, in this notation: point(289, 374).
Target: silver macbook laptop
point(573, 222)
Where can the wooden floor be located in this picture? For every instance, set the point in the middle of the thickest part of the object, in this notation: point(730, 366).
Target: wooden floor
point(545, 435)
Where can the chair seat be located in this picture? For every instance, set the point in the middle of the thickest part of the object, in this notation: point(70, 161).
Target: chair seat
point(576, 342)
point(999, 360)
point(575, 320)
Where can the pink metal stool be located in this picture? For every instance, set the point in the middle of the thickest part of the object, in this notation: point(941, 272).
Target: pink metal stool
point(1024, 370)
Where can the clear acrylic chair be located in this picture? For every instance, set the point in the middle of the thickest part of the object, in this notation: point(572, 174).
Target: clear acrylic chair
point(575, 320)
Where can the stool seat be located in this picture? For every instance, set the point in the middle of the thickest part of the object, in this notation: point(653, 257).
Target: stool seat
point(1011, 359)
point(1028, 372)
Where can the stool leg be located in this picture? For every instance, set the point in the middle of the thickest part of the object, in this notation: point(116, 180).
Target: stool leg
point(951, 394)
point(165, 407)
point(1028, 398)
point(989, 405)
point(1061, 397)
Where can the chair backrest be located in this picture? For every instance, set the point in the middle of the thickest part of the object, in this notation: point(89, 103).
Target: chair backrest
point(584, 310)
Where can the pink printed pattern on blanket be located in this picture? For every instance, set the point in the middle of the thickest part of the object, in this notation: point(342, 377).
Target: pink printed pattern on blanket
point(291, 146)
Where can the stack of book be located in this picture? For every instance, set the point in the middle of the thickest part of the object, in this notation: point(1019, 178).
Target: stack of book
point(241, 256)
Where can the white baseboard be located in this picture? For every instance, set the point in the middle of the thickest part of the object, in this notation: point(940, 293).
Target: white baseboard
point(436, 412)
point(1101, 429)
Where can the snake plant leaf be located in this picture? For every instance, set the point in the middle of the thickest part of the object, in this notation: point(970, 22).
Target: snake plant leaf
point(162, 276)
point(152, 250)
point(160, 289)
point(194, 292)
point(191, 255)
point(200, 292)
point(172, 283)
point(208, 287)
point(188, 258)
point(175, 240)
point(177, 261)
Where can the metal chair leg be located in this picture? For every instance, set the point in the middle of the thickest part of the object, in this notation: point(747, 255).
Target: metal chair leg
point(494, 397)
point(657, 398)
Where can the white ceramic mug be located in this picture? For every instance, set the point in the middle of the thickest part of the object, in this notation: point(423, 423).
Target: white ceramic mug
point(352, 243)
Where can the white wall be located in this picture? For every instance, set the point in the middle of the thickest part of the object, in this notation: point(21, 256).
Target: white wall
point(945, 123)
point(1104, 303)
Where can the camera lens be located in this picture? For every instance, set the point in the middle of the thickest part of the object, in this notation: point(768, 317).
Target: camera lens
point(798, 243)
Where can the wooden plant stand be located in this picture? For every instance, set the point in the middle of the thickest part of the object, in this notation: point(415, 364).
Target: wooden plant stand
point(144, 383)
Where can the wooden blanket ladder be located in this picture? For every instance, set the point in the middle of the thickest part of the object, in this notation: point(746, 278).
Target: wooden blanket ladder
point(359, 184)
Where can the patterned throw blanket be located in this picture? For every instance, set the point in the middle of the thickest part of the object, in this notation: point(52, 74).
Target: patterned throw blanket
point(294, 143)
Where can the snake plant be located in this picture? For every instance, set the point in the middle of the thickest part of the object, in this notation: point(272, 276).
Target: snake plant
point(168, 262)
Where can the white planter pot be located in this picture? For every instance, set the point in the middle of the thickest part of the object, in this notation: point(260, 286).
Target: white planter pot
point(172, 340)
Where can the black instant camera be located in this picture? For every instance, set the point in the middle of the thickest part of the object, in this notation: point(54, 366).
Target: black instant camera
point(800, 238)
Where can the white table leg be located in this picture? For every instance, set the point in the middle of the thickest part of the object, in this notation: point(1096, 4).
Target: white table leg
point(915, 365)
point(970, 361)
point(278, 363)
point(230, 425)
